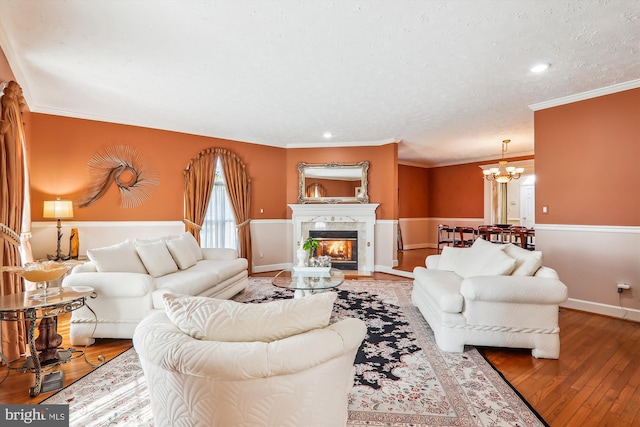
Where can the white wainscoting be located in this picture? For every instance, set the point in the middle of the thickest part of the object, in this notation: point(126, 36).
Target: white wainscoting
point(386, 250)
point(271, 239)
point(271, 244)
point(591, 261)
point(96, 234)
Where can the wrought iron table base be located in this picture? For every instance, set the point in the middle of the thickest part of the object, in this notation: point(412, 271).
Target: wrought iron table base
point(32, 363)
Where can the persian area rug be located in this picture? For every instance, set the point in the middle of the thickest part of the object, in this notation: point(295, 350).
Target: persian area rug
point(402, 378)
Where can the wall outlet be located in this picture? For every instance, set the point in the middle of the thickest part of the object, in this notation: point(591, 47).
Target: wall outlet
point(622, 287)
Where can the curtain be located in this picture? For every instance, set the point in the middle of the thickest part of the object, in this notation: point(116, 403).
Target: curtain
point(238, 187)
point(199, 177)
point(12, 186)
point(198, 183)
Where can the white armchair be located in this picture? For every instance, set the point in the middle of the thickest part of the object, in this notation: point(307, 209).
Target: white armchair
point(302, 379)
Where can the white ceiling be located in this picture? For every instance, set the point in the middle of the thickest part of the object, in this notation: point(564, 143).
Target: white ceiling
point(449, 80)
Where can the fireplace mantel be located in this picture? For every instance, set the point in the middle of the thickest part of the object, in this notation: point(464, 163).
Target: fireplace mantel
point(361, 217)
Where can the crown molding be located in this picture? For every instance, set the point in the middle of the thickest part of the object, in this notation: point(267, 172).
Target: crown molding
point(330, 144)
point(620, 87)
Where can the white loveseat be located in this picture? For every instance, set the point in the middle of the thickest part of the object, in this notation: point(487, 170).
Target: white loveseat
point(131, 277)
point(210, 362)
point(490, 295)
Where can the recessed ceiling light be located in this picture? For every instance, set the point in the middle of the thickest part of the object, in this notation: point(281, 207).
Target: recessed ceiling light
point(327, 135)
point(539, 68)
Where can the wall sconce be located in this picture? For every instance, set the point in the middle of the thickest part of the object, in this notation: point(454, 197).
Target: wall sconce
point(58, 209)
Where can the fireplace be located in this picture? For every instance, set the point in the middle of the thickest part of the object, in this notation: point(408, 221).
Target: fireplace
point(340, 245)
point(358, 217)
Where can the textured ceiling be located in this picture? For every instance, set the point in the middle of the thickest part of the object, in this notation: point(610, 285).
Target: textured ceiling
point(449, 80)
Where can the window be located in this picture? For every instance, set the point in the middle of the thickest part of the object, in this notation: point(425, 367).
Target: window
point(219, 228)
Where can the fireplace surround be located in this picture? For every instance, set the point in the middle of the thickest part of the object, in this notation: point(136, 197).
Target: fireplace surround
point(359, 218)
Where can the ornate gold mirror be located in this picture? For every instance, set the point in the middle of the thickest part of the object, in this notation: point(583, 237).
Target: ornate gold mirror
point(333, 182)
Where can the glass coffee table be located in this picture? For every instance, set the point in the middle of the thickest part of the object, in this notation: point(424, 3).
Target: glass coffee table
point(308, 281)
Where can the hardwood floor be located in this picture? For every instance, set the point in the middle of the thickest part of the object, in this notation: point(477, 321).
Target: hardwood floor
point(596, 381)
point(15, 389)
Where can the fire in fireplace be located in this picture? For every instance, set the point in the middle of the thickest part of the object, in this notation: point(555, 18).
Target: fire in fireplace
point(340, 245)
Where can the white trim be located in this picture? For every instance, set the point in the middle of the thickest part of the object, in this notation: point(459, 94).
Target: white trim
point(271, 221)
point(394, 272)
point(608, 90)
point(271, 267)
point(331, 144)
point(589, 228)
point(604, 309)
point(419, 246)
point(46, 224)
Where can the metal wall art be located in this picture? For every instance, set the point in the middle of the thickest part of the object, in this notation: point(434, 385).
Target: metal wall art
point(129, 168)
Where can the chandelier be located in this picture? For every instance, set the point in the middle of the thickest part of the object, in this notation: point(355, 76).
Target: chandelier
point(503, 173)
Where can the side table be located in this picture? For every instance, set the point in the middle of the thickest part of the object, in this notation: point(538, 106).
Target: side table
point(31, 307)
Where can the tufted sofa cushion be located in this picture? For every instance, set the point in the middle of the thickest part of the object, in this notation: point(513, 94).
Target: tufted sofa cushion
point(230, 321)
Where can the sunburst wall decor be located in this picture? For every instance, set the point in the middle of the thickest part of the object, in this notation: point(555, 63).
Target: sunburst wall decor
point(129, 168)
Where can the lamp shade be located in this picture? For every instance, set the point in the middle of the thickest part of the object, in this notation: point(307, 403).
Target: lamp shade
point(58, 209)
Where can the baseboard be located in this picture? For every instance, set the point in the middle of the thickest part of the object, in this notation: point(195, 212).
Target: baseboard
point(271, 267)
point(419, 246)
point(389, 270)
point(604, 309)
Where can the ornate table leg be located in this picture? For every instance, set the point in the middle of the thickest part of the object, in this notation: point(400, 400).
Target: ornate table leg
point(48, 341)
point(31, 315)
point(101, 358)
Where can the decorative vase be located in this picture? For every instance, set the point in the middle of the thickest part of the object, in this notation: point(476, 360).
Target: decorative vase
point(74, 244)
point(302, 257)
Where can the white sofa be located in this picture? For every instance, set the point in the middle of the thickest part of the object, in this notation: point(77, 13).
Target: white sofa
point(209, 362)
point(490, 295)
point(131, 277)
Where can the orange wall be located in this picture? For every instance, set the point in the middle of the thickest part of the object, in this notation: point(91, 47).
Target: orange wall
point(60, 148)
point(588, 161)
point(413, 193)
point(458, 191)
point(383, 172)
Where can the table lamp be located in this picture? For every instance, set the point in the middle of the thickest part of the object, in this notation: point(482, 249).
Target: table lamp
point(58, 209)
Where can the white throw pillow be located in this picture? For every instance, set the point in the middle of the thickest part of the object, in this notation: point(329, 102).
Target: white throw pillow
point(117, 258)
point(181, 252)
point(450, 258)
point(485, 259)
point(230, 321)
point(194, 246)
point(527, 262)
point(156, 258)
